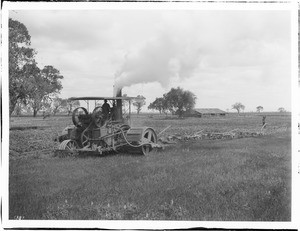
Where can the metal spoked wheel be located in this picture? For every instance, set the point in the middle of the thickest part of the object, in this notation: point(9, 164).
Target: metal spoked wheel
point(69, 145)
point(97, 116)
point(85, 138)
point(148, 137)
point(75, 115)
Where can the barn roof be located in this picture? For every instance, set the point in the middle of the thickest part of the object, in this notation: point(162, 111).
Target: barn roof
point(102, 98)
point(209, 111)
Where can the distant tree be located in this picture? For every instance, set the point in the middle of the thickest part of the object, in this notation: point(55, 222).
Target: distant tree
point(238, 106)
point(98, 104)
point(20, 54)
point(58, 104)
point(71, 105)
point(259, 108)
point(44, 85)
point(158, 104)
point(21, 108)
point(139, 102)
point(18, 108)
point(47, 106)
point(281, 110)
point(178, 101)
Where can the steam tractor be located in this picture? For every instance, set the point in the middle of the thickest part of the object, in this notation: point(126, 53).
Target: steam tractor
point(102, 131)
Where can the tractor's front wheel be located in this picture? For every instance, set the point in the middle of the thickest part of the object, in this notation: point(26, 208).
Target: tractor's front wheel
point(69, 145)
point(85, 138)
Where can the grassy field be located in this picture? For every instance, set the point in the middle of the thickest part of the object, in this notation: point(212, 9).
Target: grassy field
point(245, 179)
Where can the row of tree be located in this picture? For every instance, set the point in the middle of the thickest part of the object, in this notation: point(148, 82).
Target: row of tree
point(56, 105)
point(178, 101)
point(240, 107)
point(28, 84)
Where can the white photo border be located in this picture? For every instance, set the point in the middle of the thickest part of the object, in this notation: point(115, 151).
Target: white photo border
point(195, 5)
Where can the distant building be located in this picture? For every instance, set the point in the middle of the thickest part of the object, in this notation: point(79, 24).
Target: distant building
point(203, 112)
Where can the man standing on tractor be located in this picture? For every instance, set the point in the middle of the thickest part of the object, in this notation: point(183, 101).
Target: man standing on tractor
point(105, 110)
point(114, 111)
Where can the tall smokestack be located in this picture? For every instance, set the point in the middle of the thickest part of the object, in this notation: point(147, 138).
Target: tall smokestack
point(118, 93)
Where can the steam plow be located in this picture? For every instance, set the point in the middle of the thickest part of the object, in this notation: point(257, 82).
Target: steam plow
point(108, 129)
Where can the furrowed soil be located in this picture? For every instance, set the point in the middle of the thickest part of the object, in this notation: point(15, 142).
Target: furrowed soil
point(247, 179)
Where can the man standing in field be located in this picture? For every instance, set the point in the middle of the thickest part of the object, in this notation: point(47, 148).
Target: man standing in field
point(264, 121)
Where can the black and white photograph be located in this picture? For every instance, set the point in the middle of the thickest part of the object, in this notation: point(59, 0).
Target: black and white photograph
point(153, 111)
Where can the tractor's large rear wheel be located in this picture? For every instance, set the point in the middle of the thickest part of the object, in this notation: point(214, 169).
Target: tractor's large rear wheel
point(142, 140)
point(148, 137)
point(75, 115)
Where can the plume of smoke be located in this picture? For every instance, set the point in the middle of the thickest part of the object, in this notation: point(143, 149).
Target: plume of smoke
point(160, 59)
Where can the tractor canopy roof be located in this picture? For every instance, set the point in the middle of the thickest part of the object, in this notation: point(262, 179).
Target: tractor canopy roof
point(102, 98)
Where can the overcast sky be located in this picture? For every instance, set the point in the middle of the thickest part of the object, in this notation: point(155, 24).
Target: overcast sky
point(223, 57)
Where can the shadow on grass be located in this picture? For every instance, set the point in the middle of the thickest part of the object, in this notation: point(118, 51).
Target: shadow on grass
point(107, 154)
